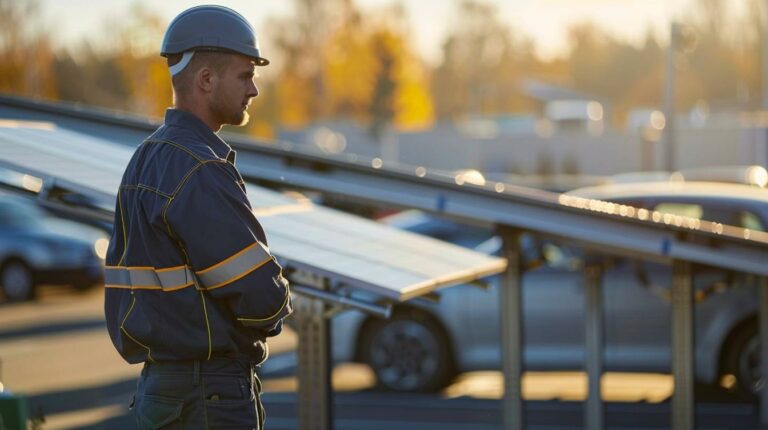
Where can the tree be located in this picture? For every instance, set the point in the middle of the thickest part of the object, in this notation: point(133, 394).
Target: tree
point(92, 78)
point(614, 71)
point(301, 51)
point(353, 66)
point(482, 66)
point(382, 105)
point(144, 71)
point(26, 55)
point(400, 96)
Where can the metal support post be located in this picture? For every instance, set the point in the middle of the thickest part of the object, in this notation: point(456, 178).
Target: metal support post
point(594, 342)
point(683, 406)
point(314, 372)
point(510, 296)
point(763, 294)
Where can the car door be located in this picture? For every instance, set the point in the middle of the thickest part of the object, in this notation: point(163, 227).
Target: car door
point(638, 306)
point(553, 300)
point(552, 309)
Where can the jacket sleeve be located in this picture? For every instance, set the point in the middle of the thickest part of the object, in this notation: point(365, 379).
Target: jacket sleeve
point(212, 220)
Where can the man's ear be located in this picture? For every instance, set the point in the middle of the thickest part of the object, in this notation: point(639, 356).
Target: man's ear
point(204, 79)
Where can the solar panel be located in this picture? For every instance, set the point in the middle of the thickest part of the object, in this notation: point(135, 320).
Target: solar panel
point(347, 249)
point(75, 160)
point(357, 249)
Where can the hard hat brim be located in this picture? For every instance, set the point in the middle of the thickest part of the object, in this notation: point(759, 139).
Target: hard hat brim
point(253, 55)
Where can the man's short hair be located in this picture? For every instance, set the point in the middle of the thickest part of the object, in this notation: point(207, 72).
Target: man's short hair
point(214, 60)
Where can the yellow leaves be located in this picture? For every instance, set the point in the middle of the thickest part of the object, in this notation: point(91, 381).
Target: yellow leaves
point(353, 59)
point(348, 73)
point(414, 110)
point(157, 89)
point(357, 57)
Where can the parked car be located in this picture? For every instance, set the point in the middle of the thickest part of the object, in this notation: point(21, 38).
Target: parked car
point(425, 344)
point(36, 249)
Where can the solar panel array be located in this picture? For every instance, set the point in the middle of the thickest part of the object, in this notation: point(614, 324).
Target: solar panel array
point(347, 249)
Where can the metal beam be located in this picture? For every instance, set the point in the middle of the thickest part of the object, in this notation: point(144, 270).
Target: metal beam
point(510, 297)
point(594, 325)
point(683, 406)
point(381, 311)
point(534, 210)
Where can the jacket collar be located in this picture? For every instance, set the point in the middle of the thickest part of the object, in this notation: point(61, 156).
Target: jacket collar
point(180, 118)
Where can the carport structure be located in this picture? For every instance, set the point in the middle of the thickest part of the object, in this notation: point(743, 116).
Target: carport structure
point(600, 227)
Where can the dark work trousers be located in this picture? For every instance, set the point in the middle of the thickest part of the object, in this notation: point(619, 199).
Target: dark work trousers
point(199, 395)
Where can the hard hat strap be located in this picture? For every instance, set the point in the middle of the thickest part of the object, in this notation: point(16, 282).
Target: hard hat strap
point(178, 67)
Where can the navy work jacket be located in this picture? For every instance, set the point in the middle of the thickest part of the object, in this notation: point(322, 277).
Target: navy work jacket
point(189, 275)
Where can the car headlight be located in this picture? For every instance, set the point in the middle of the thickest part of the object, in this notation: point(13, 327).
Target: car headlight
point(100, 247)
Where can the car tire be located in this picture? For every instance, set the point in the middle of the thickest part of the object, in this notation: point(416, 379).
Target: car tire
point(17, 281)
point(741, 359)
point(409, 352)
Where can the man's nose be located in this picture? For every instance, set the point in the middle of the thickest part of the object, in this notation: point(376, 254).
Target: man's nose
point(253, 90)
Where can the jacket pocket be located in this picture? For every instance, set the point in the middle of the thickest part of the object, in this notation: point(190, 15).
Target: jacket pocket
point(230, 403)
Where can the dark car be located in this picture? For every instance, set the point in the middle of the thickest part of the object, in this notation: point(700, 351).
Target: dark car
point(424, 344)
point(38, 249)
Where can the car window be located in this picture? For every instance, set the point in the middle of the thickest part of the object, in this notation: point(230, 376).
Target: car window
point(750, 221)
point(682, 209)
point(734, 217)
point(743, 219)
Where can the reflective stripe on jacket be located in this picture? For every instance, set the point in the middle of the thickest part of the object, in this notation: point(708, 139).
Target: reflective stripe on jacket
point(189, 274)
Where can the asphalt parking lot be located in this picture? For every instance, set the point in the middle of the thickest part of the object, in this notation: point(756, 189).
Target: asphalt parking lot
point(57, 353)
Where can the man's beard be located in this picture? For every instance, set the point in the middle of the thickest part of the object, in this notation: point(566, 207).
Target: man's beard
point(235, 117)
point(238, 118)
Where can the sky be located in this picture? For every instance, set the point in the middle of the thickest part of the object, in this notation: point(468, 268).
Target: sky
point(544, 21)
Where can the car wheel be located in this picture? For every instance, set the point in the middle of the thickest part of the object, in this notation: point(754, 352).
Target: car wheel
point(742, 361)
point(17, 281)
point(409, 352)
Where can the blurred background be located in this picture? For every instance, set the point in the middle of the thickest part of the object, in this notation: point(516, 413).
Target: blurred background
point(551, 94)
point(485, 80)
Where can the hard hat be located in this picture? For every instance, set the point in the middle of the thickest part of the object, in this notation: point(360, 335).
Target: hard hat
point(211, 28)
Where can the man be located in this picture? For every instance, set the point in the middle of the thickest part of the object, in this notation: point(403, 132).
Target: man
point(192, 289)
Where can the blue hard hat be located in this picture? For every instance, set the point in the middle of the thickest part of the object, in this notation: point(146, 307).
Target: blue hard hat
point(212, 28)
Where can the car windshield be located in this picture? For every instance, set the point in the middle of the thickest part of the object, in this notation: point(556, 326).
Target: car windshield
point(17, 214)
